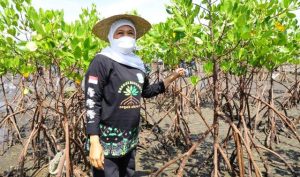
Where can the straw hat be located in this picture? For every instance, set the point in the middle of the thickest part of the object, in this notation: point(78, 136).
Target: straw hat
point(101, 29)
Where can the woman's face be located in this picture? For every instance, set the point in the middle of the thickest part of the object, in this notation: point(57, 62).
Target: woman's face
point(124, 31)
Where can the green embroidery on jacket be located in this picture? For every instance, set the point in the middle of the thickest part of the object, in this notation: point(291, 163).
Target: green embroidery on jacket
point(117, 142)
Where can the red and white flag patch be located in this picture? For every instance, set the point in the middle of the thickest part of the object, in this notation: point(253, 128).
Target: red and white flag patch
point(93, 80)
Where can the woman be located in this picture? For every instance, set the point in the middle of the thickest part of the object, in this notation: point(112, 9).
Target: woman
point(114, 84)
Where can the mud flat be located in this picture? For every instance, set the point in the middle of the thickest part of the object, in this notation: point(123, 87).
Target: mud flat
point(153, 152)
point(154, 155)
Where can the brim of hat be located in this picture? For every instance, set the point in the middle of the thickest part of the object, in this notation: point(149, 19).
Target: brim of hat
point(101, 29)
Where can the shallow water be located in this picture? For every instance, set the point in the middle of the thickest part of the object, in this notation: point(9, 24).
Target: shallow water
point(2, 130)
point(9, 90)
point(2, 106)
point(3, 135)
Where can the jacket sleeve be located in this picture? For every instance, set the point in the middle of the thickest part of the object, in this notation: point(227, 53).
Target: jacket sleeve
point(153, 89)
point(95, 79)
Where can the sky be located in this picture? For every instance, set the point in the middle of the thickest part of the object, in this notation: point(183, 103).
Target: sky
point(152, 10)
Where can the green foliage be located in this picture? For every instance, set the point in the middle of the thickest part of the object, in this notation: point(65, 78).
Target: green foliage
point(240, 34)
point(194, 80)
point(31, 38)
point(171, 40)
point(208, 67)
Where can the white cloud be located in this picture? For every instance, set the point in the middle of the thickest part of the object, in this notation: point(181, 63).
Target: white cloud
point(152, 10)
point(71, 9)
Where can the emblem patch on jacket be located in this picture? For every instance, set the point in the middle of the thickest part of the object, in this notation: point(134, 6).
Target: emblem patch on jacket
point(131, 90)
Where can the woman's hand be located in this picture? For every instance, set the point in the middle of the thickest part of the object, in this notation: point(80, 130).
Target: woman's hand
point(96, 152)
point(180, 72)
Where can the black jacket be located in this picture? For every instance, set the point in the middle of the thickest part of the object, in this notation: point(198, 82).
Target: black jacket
point(113, 92)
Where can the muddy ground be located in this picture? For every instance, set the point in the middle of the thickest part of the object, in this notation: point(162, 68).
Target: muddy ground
point(154, 155)
point(153, 152)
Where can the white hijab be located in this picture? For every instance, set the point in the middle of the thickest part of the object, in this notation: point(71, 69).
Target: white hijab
point(127, 59)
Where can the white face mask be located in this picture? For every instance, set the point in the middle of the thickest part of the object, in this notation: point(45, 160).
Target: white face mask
point(124, 45)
